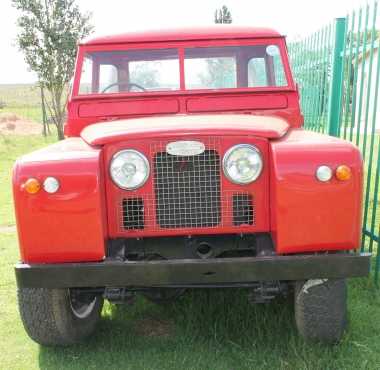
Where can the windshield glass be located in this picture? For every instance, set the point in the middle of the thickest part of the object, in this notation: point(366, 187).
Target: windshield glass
point(234, 66)
point(227, 67)
point(130, 71)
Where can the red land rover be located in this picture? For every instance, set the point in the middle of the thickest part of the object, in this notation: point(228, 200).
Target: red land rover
point(186, 166)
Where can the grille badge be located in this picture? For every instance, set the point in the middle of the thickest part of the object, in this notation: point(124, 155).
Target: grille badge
point(185, 148)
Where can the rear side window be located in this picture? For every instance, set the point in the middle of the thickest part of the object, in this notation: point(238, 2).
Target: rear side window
point(257, 73)
point(279, 73)
point(85, 86)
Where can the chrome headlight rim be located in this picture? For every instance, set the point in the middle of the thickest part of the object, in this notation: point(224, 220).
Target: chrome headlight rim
point(146, 163)
point(228, 154)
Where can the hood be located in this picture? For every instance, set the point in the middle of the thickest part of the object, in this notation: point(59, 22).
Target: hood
point(185, 125)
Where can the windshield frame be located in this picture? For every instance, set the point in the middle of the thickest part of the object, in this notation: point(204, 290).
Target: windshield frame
point(181, 46)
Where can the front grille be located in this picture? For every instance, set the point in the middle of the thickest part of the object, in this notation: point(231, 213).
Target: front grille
point(187, 190)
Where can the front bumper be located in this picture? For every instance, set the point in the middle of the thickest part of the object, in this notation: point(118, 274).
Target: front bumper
point(192, 272)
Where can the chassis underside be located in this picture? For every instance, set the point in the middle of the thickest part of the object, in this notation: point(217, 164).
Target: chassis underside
point(235, 260)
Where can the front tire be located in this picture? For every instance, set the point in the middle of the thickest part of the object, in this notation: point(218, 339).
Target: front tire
point(321, 309)
point(58, 316)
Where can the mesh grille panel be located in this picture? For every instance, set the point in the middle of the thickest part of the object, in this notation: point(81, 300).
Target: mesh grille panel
point(242, 209)
point(187, 190)
point(137, 214)
point(133, 214)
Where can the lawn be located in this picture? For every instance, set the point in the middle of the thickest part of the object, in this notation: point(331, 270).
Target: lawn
point(12, 147)
point(202, 330)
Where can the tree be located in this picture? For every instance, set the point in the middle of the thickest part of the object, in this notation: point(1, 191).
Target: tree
point(49, 31)
point(223, 15)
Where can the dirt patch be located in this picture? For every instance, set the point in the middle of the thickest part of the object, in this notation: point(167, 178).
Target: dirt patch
point(11, 124)
point(151, 327)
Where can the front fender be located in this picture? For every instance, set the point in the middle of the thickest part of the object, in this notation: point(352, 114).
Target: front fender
point(308, 215)
point(70, 225)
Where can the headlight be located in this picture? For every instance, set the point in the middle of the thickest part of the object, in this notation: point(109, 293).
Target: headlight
point(129, 169)
point(242, 164)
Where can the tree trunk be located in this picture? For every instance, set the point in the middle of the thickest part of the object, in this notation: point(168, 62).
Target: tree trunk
point(56, 108)
point(45, 128)
point(60, 133)
point(57, 111)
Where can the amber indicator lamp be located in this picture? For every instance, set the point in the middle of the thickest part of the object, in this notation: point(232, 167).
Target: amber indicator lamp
point(32, 186)
point(343, 173)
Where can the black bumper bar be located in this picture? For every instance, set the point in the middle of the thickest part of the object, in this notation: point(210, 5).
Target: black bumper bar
point(192, 272)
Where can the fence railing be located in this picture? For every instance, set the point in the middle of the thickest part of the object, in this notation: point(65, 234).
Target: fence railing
point(25, 106)
point(338, 72)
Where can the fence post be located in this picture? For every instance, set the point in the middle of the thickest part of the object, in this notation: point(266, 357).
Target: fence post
point(335, 94)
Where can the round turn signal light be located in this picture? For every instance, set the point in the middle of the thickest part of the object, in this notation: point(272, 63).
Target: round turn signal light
point(51, 185)
point(343, 173)
point(324, 173)
point(32, 186)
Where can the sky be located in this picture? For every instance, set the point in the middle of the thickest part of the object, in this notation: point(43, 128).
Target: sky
point(294, 18)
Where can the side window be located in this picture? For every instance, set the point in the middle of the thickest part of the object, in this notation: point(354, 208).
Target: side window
point(279, 73)
point(257, 74)
point(273, 53)
point(108, 78)
point(85, 86)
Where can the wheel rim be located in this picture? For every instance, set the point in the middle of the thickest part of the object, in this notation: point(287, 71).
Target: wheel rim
point(81, 307)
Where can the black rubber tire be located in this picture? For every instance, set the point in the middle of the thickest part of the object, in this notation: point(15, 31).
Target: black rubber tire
point(321, 310)
point(49, 320)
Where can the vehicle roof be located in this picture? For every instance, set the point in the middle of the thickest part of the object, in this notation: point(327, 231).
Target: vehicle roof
point(221, 31)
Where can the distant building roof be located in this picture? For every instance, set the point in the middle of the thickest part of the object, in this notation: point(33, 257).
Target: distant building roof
point(221, 31)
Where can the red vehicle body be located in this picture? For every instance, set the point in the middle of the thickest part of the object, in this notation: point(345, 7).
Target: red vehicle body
point(302, 216)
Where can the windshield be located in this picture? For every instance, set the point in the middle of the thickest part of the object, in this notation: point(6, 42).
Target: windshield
point(130, 71)
point(226, 67)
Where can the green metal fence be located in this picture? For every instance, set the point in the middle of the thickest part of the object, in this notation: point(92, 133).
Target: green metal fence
point(338, 72)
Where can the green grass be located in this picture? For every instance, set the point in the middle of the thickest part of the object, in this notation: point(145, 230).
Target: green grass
point(203, 330)
point(11, 147)
point(370, 175)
